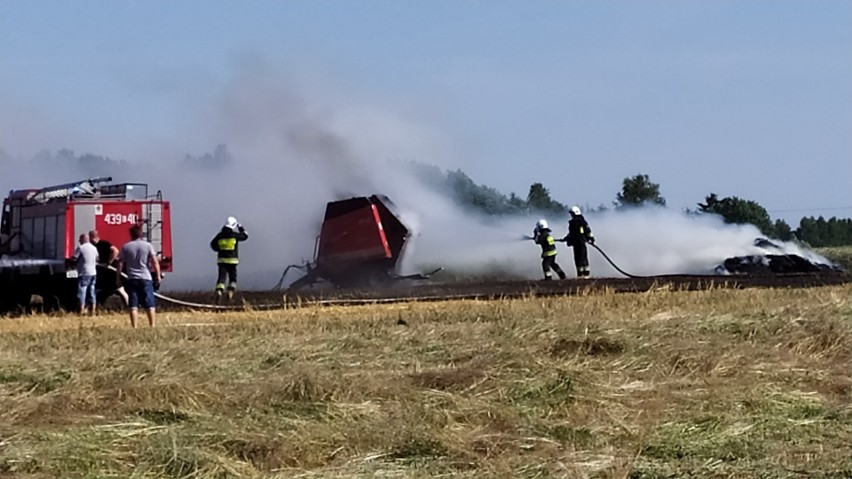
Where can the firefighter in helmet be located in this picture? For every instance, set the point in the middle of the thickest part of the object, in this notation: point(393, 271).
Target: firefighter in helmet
point(579, 233)
point(226, 245)
point(543, 238)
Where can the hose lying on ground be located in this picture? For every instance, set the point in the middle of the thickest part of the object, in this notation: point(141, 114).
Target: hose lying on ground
point(220, 307)
point(606, 257)
point(197, 305)
point(188, 304)
point(625, 273)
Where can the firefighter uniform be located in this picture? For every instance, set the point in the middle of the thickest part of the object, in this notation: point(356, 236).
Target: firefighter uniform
point(579, 233)
point(226, 245)
point(543, 237)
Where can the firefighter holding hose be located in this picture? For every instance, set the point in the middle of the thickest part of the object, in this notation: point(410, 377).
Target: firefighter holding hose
point(543, 237)
point(226, 246)
point(579, 233)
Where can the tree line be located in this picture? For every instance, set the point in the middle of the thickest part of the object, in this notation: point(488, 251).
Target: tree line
point(638, 191)
point(487, 200)
point(817, 232)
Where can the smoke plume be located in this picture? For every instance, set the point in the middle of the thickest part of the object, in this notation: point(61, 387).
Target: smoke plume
point(291, 149)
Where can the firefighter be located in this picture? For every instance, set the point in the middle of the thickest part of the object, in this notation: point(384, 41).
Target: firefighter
point(579, 233)
point(226, 245)
point(543, 238)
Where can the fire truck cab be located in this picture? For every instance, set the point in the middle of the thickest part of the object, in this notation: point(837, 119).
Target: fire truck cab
point(40, 228)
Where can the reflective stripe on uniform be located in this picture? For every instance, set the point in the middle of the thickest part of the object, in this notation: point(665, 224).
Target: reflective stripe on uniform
point(550, 248)
point(227, 244)
point(229, 261)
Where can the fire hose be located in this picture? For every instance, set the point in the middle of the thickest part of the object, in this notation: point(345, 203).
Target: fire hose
point(220, 307)
point(189, 304)
point(625, 273)
point(608, 259)
point(611, 262)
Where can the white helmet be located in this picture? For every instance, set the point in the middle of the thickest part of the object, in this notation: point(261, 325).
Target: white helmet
point(231, 222)
point(541, 224)
point(575, 211)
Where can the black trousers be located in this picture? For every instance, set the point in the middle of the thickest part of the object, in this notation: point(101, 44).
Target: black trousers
point(581, 259)
point(549, 263)
point(227, 272)
point(107, 283)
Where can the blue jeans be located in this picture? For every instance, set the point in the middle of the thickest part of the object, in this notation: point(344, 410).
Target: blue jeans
point(140, 291)
point(86, 290)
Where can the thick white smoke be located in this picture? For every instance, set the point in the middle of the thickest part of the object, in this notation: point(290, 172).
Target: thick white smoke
point(646, 241)
point(295, 148)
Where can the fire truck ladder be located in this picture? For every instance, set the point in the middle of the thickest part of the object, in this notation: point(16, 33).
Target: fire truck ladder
point(152, 226)
point(83, 187)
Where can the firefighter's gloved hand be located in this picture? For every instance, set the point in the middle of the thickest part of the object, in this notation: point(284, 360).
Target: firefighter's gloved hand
point(592, 241)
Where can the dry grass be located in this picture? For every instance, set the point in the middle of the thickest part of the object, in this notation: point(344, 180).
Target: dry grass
point(841, 255)
point(720, 383)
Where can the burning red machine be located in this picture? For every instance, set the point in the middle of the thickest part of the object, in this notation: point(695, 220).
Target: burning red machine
point(40, 227)
point(361, 242)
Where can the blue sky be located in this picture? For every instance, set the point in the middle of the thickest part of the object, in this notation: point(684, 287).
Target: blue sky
point(745, 98)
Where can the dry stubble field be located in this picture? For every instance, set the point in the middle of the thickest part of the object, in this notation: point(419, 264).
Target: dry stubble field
point(719, 383)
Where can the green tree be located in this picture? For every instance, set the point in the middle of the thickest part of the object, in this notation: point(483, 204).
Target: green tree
point(539, 199)
point(516, 203)
point(220, 157)
point(483, 199)
point(739, 211)
point(783, 230)
point(637, 191)
point(820, 232)
point(87, 165)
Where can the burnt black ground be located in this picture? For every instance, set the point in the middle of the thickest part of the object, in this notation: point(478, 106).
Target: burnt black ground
point(431, 291)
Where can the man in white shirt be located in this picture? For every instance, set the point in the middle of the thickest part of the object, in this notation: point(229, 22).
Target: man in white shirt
point(86, 260)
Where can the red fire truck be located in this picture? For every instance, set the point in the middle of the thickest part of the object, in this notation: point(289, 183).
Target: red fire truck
point(40, 227)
